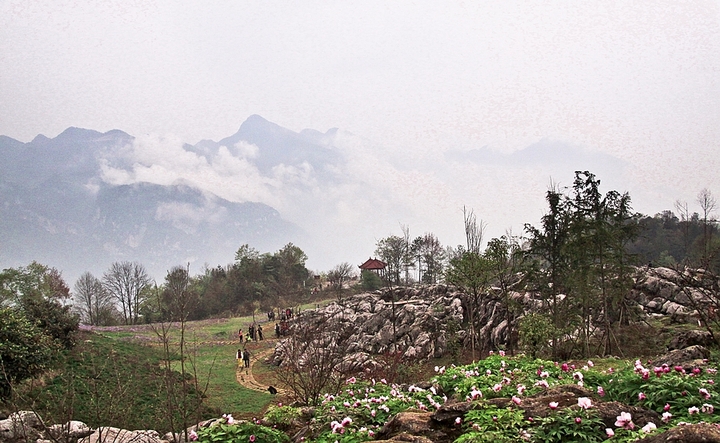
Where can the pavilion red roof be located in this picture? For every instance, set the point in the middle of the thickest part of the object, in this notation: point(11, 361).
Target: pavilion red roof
point(373, 263)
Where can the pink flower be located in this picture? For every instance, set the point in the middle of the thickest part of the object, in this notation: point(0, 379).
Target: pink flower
point(584, 402)
point(590, 363)
point(553, 405)
point(193, 436)
point(565, 367)
point(229, 419)
point(497, 387)
point(458, 420)
point(346, 421)
point(516, 400)
point(578, 420)
point(704, 392)
point(624, 420)
point(693, 410)
point(708, 408)
point(252, 437)
point(679, 369)
point(609, 432)
point(601, 391)
point(502, 353)
point(641, 396)
point(666, 407)
point(666, 416)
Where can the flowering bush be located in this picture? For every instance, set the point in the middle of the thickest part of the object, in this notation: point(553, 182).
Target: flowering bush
point(229, 430)
point(493, 424)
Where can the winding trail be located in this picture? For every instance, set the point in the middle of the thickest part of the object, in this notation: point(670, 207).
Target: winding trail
point(245, 375)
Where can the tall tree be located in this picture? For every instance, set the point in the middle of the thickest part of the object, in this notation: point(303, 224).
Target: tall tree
point(505, 261)
point(430, 256)
point(707, 205)
point(469, 271)
point(393, 251)
point(549, 261)
point(91, 299)
point(126, 282)
point(601, 226)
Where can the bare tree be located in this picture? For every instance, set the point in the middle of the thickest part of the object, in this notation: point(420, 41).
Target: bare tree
point(91, 299)
point(338, 276)
point(179, 300)
point(315, 357)
point(684, 212)
point(126, 283)
point(707, 204)
point(474, 231)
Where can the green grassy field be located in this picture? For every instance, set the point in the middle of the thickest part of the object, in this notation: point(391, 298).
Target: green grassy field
point(211, 346)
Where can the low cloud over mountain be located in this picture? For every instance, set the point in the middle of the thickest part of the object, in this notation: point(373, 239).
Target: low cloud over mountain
point(85, 199)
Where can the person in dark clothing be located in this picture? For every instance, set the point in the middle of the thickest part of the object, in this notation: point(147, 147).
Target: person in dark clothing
point(246, 358)
point(277, 330)
point(259, 332)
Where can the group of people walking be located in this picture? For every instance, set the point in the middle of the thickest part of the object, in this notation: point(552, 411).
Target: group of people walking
point(255, 333)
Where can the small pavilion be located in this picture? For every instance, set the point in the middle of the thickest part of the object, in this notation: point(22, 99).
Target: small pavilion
point(374, 265)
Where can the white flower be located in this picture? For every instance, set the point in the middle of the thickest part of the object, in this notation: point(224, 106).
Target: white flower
point(584, 402)
point(649, 427)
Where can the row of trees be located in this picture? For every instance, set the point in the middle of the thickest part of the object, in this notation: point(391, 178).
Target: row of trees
point(126, 294)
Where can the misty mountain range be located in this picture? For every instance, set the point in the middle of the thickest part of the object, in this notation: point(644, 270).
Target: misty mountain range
point(59, 207)
point(85, 199)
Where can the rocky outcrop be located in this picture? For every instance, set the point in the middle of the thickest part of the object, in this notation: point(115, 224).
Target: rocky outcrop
point(27, 426)
point(422, 322)
point(675, 293)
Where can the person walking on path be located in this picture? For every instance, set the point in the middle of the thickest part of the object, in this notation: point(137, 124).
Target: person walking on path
point(246, 358)
point(259, 332)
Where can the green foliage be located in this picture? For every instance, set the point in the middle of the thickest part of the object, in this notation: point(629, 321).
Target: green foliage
point(581, 251)
point(24, 350)
point(395, 252)
point(227, 430)
point(253, 282)
point(370, 281)
point(281, 416)
point(39, 291)
point(493, 424)
point(570, 425)
point(536, 331)
point(105, 382)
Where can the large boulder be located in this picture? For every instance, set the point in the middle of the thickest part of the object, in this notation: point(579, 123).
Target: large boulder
point(415, 424)
point(689, 433)
point(107, 434)
point(689, 358)
point(21, 426)
point(691, 338)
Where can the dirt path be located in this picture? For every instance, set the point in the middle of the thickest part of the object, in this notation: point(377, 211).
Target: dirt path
point(258, 356)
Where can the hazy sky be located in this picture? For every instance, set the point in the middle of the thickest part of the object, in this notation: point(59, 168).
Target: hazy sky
point(627, 89)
